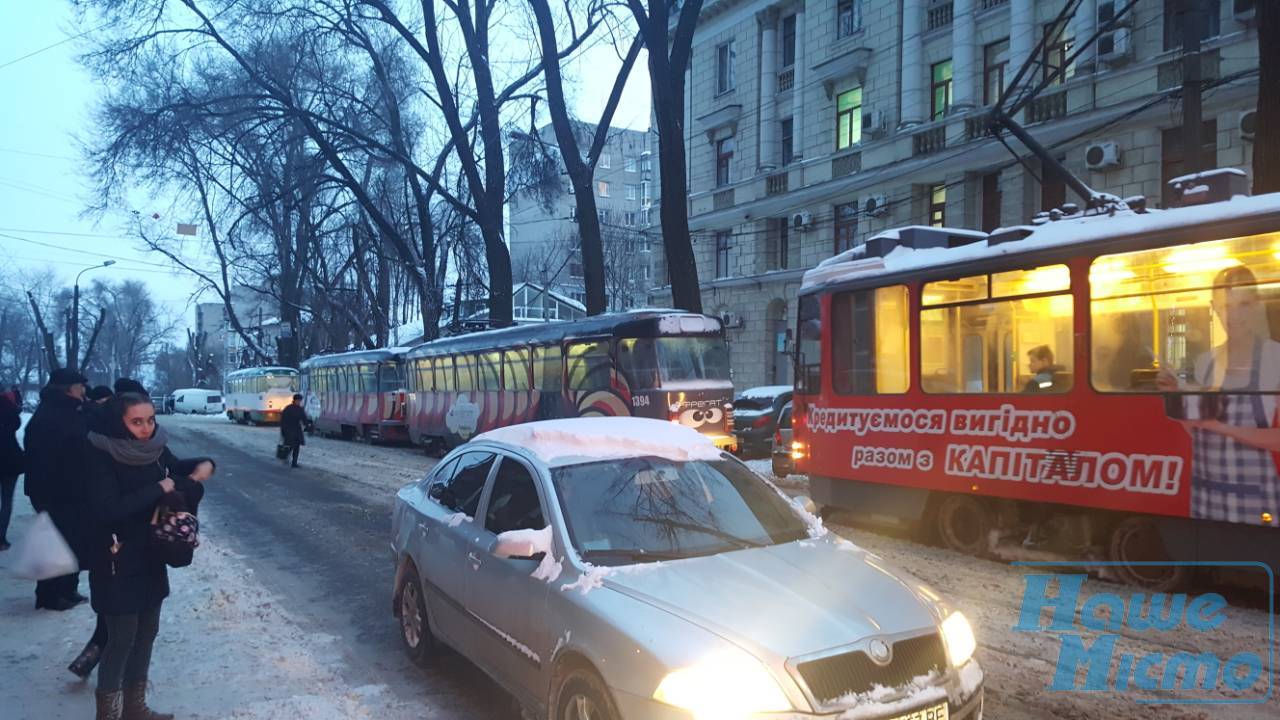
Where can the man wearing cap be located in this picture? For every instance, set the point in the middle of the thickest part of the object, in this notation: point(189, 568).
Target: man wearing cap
point(55, 473)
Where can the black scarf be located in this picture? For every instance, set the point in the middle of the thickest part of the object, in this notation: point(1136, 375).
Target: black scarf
point(130, 450)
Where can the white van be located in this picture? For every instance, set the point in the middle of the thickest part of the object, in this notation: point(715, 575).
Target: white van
point(197, 401)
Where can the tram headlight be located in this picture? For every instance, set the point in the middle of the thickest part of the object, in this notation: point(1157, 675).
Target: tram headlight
point(957, 635)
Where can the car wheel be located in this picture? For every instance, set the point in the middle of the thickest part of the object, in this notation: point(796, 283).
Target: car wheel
point(415, 632)
point(583, 696)
point(963, 524)
point(1136, 540)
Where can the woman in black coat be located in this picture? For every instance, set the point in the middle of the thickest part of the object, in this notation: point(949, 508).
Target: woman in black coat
point(128, 474)
point(11, 462)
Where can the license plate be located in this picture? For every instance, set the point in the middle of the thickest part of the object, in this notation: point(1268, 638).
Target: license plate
point(933, 712)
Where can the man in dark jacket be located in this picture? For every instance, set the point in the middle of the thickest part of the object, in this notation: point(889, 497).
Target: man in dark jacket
point(56, 452)
point(292, 421)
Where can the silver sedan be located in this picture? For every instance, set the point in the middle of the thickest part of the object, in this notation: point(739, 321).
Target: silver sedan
point(601, 569)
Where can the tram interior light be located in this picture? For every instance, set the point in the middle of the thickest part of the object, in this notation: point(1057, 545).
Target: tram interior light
point(1194, 259)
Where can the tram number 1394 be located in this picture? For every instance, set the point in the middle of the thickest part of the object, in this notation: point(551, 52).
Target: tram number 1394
point(639, 401)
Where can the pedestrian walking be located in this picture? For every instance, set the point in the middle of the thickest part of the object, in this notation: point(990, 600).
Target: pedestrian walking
point(11, 462)
point(55, 475)
point(293, 420)
point(128, 476)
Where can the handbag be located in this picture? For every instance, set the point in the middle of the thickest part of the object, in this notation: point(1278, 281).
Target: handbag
point(282, 451)
point(43, 553)
point(175, 535)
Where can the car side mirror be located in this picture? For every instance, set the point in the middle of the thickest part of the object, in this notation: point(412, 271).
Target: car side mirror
point(806, 503)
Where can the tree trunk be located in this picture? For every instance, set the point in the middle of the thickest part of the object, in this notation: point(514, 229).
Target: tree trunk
point(1266, 144)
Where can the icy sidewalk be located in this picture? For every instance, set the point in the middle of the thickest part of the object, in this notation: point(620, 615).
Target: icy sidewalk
point(226, 649)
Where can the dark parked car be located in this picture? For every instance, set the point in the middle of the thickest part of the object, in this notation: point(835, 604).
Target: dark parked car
point(755, 417)
point(784, 455)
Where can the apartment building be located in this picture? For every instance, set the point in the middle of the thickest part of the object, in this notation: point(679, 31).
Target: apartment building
point(811, 125)
point(543, 229)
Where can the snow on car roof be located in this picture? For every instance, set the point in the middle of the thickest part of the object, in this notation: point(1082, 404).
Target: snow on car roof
point(765, 391)
point(577, 440)
point(1076, 230)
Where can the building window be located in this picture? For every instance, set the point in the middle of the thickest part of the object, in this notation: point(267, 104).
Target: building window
point(788, 41)
point(940, 89)
point(724, 67)
point(630, 164)
point(784, 244)
point(724, 160)
point(633, 192)
point(646, 163)
point(1212, 10)
point(990, 201)
point(644, 193)
point(995, 59)
point(575, 269)
point(629, 218)
point(722, 253)
point(849, 118)
point(938, 206)
point(848, 17)
point(1032, 352)
point(1057, 48)
point(605, 161)
point(869, 341)
point(788, 141)
point(846, 222)
point(602, 188)
point(1173, 159)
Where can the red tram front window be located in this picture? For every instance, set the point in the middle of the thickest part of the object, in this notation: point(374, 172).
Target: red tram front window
point(869, 341)
point(809, 346)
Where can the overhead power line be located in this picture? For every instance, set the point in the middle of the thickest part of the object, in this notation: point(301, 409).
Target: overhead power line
point(64, 41)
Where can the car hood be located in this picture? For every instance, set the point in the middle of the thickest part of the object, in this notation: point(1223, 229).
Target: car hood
point(791, 599)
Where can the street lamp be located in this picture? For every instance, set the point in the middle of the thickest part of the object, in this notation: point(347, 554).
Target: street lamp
point(73, 342)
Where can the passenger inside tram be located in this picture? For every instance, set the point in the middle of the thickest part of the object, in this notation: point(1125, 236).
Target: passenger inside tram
point(1046, 375)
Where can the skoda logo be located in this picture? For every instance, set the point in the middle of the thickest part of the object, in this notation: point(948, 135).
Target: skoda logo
point(879, 651)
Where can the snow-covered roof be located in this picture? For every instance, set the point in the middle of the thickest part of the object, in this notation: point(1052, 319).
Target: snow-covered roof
point(578, 440)
point(765, 392)
point(1075, 230)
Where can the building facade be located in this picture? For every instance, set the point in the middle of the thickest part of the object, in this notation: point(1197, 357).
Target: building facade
point(543, 231)
point(812, 125)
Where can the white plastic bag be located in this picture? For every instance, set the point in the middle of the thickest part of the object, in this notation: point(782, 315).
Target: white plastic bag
point(42, 553)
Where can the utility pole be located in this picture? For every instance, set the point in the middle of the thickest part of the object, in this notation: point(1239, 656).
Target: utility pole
point(1193, 23)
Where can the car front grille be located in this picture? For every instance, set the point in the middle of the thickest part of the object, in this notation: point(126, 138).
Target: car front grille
point(854, 672)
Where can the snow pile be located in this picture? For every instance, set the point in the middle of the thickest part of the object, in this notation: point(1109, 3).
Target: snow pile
point(456, 519)
point(922, 691)
point(578, 440)
point(765, 392)
point(595, 575)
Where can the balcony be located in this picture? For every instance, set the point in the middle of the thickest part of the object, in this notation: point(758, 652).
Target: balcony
point(990, 4)
point(777, 183)
point(975, 128)
point(939, 15)
point(722, 200)
point(786, 79)
point(846, 165)
point(927, 142)
point(1047, 107)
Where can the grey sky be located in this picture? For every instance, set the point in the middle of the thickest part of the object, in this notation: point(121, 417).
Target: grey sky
point(47, 100)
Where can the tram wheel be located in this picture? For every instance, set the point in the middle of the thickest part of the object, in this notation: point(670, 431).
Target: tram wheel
point(1136, 540)
point(964, 523)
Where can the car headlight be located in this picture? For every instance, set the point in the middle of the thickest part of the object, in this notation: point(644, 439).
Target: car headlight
point(725, 686)
point(958, 636)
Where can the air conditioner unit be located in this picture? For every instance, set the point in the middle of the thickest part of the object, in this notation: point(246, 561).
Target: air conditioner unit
point(1115, 47)
point(802, 220)
point(875, 124)
point(1102, 156)
point(875, 206)
point(731, 320)
point(1245, 11)
point(1248, 125)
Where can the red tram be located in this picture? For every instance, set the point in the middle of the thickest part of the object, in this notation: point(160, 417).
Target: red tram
point(357, 395)
point(1104, 383)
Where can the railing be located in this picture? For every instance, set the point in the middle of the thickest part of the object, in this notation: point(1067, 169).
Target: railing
point(786, 79)
point(1047, 107)
point(929, 141)
point(777, 183)
point(988, 4)
point(975, 128)
point(722, 200)
point(846, 165)
point(940, 15)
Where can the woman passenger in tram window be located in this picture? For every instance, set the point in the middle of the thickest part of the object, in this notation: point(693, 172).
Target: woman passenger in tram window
point(1234, 476)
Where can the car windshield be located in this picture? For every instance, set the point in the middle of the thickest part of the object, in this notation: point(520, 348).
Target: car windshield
point(620, 512)
point(692, 358)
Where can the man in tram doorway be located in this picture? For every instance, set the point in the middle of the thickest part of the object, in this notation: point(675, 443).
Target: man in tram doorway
point(293, 420)
point(1044, 372)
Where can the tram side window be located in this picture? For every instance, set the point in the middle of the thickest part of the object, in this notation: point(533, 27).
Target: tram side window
point(1208, 313)
point(515, 370)
point(869, 341)
point(1008, 332)
point(389, 379)
point(487, 371)
point(548, 368)
point(589, 365)
point(443, 374)
point(638, 363)
point(809, 346)
point(465, 367)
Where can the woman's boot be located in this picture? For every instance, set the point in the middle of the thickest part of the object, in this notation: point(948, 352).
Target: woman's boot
point(86, 661)
point(110, 705)
point(135, 704)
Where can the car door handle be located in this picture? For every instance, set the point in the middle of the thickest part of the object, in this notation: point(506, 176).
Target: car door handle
point(475, 560)
point(424, 527)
